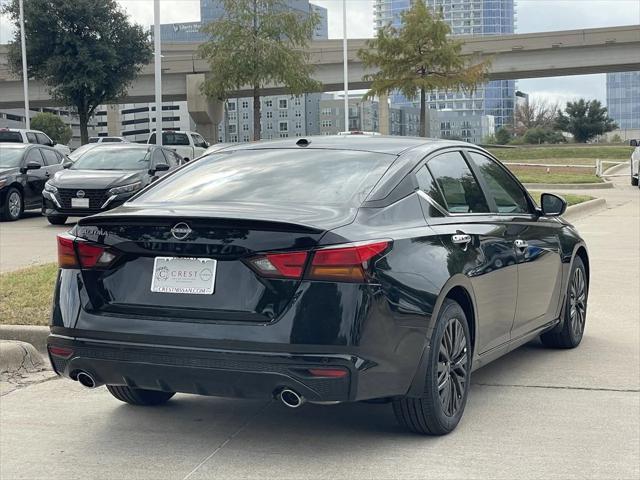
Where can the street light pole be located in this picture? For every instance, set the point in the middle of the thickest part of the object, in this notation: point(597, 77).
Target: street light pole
point(158, 69)
point(345, 65)
point(25, 79)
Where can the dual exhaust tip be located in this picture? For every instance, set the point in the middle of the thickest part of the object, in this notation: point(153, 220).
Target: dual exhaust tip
point(291, 398)
point(86, 380)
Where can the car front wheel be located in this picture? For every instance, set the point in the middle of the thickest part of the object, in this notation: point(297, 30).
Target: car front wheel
point(13, 205)
point(440, 408)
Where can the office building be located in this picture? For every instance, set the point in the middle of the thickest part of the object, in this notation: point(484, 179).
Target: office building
point(466, 17)
point(623, 99)
point(469, 128)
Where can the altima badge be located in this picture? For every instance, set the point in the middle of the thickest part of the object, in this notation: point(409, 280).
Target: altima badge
point(80, 194)
point(180, 231)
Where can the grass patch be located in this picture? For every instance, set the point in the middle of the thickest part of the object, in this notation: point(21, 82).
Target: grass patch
point(26, 295)
point(540, 175)
point(574, 153)
point(571, 198)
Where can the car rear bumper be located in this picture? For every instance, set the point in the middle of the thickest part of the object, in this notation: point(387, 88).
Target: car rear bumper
point(238, 374)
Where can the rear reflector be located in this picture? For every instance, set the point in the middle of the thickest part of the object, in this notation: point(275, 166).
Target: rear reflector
point(328, 372)
point(63, 352)
point(77, 253)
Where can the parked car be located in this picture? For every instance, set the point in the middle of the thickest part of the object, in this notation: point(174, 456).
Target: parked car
point(108, 140)
point(635, 163)
point(103, 178)
point(188, 145)
point(20, 135)
point(326, 270)
point(81, 150)
point(24, 169)
point(216, 147)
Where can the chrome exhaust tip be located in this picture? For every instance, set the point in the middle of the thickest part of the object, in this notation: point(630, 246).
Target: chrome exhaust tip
point(86, 380)
point(290, 398)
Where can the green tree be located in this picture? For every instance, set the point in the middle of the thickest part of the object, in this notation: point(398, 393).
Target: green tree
point(255, 43)
point(417, 57)
point(503, 136)
point(585, 119)
point(86, 52)
point(53, 126)
point(540, 135)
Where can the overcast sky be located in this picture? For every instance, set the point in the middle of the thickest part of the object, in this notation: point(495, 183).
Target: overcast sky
point(533, 16)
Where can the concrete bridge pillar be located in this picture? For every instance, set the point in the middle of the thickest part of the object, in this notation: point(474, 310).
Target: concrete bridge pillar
point(206, 113)
point(113, 120)
point(383, 114)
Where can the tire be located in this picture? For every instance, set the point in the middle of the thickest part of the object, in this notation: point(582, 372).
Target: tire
point(432, 414)
point(569, 335)
point(13, 205)
point(634, 181)
point(138, 396)
point(57, 220)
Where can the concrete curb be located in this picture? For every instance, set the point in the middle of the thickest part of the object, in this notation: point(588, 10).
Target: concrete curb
point(585, 208)
point(567, 186)
point(34, 334)
point(19, 357)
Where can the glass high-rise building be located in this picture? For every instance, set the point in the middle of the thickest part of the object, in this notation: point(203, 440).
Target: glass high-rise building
point(466, 17)
point(623, 99)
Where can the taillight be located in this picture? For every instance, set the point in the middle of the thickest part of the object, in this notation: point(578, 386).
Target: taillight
point(74, 252)
point(282, 265)
point(343, 263)
point(327, 372)
point(64, 352)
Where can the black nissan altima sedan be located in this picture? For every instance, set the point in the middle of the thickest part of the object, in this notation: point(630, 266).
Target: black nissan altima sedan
point(102, 178)
point(322, 270)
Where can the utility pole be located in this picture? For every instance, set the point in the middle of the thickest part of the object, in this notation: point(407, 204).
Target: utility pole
point(25, 78)
point(158, 69)
point(345, 65)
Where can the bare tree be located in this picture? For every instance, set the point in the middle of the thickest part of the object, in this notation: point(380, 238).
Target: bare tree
point(535, 114)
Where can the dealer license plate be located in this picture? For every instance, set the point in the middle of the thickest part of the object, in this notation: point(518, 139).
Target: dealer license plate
point(195, 276)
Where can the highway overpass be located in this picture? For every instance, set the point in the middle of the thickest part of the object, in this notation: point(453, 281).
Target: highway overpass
point(530, 55)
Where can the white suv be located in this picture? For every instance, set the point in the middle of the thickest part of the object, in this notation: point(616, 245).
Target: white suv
point(20, 135)
point(108, 140)
point(635, 163)
point(188, 145)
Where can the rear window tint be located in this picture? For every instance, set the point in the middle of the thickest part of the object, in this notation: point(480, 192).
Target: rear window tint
point(10, 137)
point(317, 177)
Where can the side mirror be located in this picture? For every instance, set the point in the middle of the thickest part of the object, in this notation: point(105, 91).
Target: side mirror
point(30, 166)
point(552, 205)
point(633, 143)
point(186, 159)
point(67, 164)
point(160, 167)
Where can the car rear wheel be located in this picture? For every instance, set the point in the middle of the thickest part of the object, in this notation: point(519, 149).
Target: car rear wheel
point(575, 311)
point(138, 396)
point(57, 220)
point(440, 408)
point(634, 181)
point(13, 206)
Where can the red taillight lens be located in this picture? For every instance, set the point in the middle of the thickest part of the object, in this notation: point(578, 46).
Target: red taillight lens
point(63, 352)
point(346, 264)
point(78, 253)
point(282, 265)
point(328, 372)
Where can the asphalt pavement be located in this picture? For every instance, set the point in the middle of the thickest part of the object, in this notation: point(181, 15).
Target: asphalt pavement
point(535, 413)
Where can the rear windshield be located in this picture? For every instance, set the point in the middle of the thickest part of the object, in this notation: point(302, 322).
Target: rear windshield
point(113, 158)
point(10, 137)
point(318, 177)
point(171, 138)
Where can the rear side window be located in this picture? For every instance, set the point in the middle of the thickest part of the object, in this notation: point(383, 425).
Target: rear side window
point(278, 176)
point(13, 137)
point(50, 157)
point(506, 192)
point(93, 140)
point(427, 184)
point(31, 137)
point(34, 155)
point(460, 189)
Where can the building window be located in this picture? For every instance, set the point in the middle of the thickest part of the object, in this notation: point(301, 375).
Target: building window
point(231, 106)
point(284, 135)
point(298, 124)
point(233, 117)
point(245, 104)
point(269, 114)
point(245, 127)
point(233, 138)
point(245, 115)
point(269, 126)
point(268, 103)
point(283, 126)
point(232, 128)
point(283, 114)
point(283, 103)
point(298, 113)
point(296, 102)
point(327, 111)
point(245, 138)
point(326, 123)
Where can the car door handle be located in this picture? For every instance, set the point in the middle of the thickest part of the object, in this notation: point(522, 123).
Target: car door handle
point(521, 244)
point(461, 239)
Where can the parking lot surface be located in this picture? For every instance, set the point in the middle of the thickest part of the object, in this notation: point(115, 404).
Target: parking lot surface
point(535, 413)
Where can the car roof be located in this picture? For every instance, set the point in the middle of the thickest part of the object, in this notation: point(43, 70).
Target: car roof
point(393, 145)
